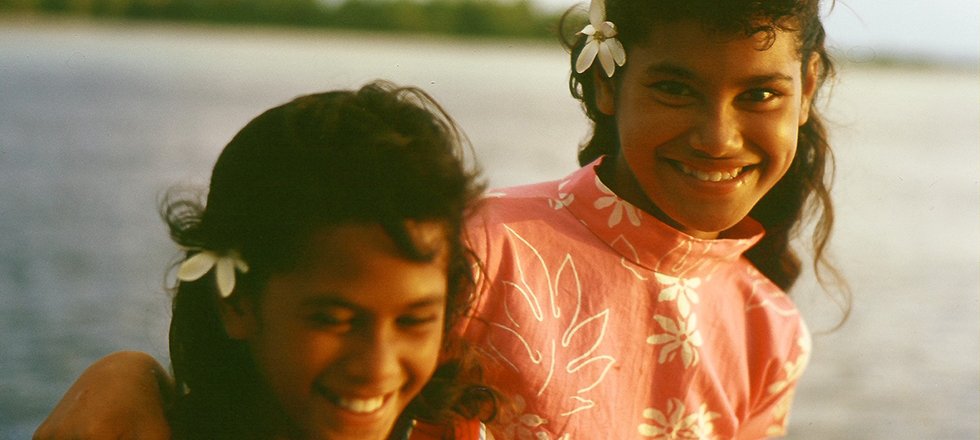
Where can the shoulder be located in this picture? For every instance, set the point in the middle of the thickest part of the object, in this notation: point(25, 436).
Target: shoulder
point(500, 208)
point(501, 200)
point(459, 429)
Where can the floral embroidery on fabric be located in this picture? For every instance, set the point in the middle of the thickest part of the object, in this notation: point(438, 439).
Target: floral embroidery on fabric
point(564, 198)
point(680, 290)
point(524, 425)
point(556, 335)
point(677, 424)
point(766, 295)
point(682, 337)
point(793, 370)
point(682, 334)
point(574, 352)
point(619, 205)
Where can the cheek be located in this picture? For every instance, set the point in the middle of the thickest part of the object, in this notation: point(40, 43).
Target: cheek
point(423, 356)
point(294, 358)
point(645, 127)
point(777, 139)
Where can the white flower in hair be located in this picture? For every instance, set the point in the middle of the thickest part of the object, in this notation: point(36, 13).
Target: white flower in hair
point(601, 42)
point(225, 265)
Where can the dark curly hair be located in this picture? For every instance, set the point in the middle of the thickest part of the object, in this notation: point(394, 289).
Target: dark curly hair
point(380, 155)
point(805, 189)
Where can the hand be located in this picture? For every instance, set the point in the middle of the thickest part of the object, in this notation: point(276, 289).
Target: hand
point(121, 396)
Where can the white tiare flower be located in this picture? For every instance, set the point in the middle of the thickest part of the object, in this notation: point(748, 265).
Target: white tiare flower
point(225, 265)
point(601, 42)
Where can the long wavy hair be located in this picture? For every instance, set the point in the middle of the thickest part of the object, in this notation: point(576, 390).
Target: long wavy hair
point(381, 154)
point(805, 189)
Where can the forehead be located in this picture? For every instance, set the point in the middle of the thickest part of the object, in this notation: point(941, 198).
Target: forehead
point(691, 35)
point(360, 266)
point(355, 250)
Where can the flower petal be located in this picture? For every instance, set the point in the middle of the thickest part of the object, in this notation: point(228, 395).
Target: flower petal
point(240, 264)
point(226, 276)
point(683, 306)
point(607, 29)
point(588, 30)
point(587, 56)
point(597, 12)
point(618, 52)
point(668, 324)
point(606, 59)
point(196, 266)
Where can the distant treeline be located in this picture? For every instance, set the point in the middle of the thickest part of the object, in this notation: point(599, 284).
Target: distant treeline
point(459, 17)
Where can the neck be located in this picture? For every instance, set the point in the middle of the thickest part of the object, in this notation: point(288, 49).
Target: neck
point(615, 173)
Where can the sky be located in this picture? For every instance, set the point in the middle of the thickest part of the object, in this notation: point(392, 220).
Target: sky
point(941, 30)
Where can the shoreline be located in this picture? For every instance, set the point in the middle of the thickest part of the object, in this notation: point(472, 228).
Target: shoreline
point(860, 57)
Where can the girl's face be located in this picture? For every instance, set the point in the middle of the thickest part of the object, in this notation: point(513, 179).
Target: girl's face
point(707, 123)
point(351, 336)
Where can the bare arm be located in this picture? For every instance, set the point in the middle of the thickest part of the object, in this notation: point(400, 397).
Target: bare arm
point(121, 396)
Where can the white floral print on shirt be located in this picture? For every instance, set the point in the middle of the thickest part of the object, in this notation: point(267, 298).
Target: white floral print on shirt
point(676, 423)
point(682, 337)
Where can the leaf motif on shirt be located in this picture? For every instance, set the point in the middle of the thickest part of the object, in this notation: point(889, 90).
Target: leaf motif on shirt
point(766, 295)
point(792, 370)
point(567, 337)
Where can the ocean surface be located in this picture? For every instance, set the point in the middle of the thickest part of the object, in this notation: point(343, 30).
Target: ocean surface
point(97, 120)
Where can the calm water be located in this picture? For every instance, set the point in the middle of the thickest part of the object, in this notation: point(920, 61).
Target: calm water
point(95, 121)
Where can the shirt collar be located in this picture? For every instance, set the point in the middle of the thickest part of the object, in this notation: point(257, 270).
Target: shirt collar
point(643, 239)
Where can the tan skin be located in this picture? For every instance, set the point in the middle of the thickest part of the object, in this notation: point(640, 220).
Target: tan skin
point(350, 337)
point(345, 341)
point(107, 388)
point(692, 109)
point(707, 124)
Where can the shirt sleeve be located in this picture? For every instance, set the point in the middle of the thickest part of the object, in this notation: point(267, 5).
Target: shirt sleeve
point(770, 416)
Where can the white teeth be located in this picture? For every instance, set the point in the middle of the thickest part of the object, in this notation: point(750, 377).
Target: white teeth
point(710, 176)
point(361, 405)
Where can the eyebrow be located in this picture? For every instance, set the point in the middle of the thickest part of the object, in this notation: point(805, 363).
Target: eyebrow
point(434, 299)
point(684, 73)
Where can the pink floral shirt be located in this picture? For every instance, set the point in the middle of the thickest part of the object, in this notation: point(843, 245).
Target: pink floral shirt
point(604, 323)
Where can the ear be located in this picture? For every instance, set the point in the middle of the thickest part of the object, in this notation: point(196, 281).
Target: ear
point(605, 95)
point(811, 75)
point(239, 317)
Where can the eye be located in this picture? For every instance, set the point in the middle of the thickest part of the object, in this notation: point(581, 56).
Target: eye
point(417, 320)
point(333, 321)
point(759, 95)
point(673, 93)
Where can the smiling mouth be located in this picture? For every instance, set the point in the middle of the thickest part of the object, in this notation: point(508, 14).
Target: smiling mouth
point(710, 176)
point(360, 406)
point(357, 405)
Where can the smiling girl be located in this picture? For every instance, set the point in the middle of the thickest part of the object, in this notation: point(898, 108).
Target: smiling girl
point(643, 296)
point(322, 274)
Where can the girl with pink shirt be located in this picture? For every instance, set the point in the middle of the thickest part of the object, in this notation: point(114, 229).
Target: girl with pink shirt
point(643, 296)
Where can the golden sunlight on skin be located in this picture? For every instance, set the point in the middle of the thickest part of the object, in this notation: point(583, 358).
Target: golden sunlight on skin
point(707, 124)
point(352, 335)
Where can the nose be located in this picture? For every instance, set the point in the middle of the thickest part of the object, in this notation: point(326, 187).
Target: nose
point(717, 133)
point(372, 356)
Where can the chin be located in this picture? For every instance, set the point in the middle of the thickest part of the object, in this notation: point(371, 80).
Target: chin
point(710, 228)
